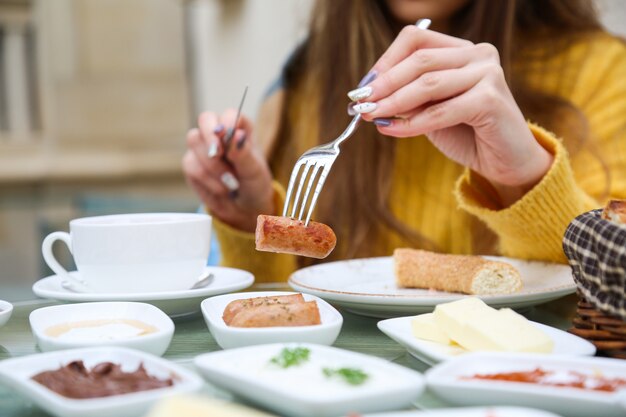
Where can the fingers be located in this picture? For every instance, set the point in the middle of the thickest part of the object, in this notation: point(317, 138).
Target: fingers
point(429, 87)
point(210, 177)
point(210, 130)
point(468, 108)
point(411, 39)
point(415, 65)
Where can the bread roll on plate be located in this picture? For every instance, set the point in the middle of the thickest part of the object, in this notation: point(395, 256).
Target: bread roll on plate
point(287, 235)
point(466, 274)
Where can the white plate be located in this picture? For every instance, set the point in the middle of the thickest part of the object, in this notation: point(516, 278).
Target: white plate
point(470, 412)
point(6, 309)
point(367, 286)
point(173, 303)
point(231, 337)
point(17, 373)
point(399, 329)
point(445, 381)
point(155, 343)
point(303, 390)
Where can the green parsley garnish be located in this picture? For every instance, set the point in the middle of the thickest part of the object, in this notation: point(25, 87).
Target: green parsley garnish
point(291, 357)
point(352, 376)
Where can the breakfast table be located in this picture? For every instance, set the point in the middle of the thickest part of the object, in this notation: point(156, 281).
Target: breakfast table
point(191, 338)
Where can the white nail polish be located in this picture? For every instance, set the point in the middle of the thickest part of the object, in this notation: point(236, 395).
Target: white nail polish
point(360, 93)
point(366, 107)
point(212, 149)
point(230, 181)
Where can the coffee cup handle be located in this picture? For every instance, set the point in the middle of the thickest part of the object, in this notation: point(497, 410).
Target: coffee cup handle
point(48, 255)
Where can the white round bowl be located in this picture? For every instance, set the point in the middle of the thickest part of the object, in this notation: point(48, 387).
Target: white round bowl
point(155, 343)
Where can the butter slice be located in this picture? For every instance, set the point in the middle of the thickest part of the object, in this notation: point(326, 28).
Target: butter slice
point(477, 327)
point(425, 327)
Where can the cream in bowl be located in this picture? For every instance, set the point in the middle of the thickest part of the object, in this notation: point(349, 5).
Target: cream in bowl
point(135, 325)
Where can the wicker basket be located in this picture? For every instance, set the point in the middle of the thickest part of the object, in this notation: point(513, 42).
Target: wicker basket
point(596, 250)
point(606, 332)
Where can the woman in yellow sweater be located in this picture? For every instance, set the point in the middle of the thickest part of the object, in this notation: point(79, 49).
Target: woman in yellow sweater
point(477, 96)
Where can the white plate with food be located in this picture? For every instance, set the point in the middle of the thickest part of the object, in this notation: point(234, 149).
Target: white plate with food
point(307, 380)
point(431, 352)
point(96, 382)
point(469, 412)
point(6, 309)
point(172, 303)
point(485, 379)
point(255, 318)
point(368, 286)
point(114, 323)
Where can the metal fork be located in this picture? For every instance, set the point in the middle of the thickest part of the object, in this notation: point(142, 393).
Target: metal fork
point(319, 158)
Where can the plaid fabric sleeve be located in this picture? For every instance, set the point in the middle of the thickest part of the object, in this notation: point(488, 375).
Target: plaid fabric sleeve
point(596, 250)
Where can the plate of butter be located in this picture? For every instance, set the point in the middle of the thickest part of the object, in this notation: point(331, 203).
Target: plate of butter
point(469, 325)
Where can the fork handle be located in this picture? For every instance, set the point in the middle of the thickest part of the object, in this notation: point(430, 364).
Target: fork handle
point(356, 120)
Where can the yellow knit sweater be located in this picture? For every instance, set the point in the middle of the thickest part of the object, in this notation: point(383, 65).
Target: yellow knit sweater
point(441, 199)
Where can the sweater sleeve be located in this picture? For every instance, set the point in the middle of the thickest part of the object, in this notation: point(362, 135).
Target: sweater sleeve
point(533, 227)
point(238, 250)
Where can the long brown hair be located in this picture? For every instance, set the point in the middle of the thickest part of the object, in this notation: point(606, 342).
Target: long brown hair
point(345, 40)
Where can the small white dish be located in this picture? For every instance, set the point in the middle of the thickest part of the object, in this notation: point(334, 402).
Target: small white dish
point(156, 343)
point(231, 337)
point(470, 412)
point(17, 373)
point(172, 303)
point(447, 380)
point(6, 309)
point(303, 390)
point(399, 329)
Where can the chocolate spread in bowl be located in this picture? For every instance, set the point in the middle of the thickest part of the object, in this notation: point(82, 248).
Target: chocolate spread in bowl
point(103, 380)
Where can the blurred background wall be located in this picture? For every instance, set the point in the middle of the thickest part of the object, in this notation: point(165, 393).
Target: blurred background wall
point(96, 97)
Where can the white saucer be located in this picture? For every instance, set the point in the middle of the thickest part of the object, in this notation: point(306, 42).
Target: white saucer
point(173, 303)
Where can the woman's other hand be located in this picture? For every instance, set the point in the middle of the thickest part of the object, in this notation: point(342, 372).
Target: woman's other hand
point(455, 93)
point(235, 184)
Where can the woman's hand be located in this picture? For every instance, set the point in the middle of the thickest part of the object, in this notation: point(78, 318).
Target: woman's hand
point(237, 186)
point(455, 93)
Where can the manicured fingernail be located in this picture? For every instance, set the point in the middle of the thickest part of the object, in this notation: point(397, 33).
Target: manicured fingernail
point(219, 128)
point(360, 93)
point(366, 107)
point(369, 77)
point(350, 109)
point(382, 122)
point(242, 141)
point(230, 181)
point(212, 149)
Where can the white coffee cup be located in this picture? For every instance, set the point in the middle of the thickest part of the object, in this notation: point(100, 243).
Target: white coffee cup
point(134, 253)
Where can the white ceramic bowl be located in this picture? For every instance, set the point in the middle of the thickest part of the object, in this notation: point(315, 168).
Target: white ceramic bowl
point(231, 337)
point(17, 373)
point(6, 309)
point(448, 380)
point(304, 390)
point(156, 342)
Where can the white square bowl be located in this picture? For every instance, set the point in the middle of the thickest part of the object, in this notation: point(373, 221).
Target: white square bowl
point(17, 373)
point(231, 337)
point(6, 309)
point(155, 343)
point(304, 391)
point(449, 381)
